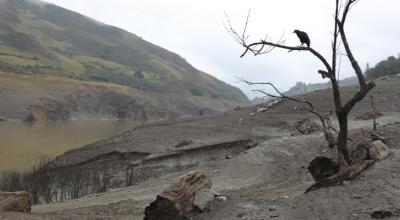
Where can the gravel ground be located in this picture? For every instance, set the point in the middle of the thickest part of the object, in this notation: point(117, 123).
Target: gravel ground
point(271, 176)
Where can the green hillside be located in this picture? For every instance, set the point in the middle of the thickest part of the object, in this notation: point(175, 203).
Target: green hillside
point(44, 39)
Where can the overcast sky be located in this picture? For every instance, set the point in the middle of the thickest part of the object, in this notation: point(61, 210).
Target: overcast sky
point(195, 30)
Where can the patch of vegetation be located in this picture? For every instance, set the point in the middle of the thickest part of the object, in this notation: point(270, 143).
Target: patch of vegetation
point(388, 67)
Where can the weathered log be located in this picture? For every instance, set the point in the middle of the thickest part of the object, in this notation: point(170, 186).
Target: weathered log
point(178, 201)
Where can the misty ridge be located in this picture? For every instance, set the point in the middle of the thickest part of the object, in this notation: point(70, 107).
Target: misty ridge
point(199, 110)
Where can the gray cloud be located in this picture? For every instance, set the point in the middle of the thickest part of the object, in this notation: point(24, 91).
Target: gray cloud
point(194, 29)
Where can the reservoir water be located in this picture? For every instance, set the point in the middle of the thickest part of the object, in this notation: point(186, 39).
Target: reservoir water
point(23, 144)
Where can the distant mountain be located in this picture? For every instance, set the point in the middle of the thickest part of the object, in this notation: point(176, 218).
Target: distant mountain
point(40, 39)
point(302, 88)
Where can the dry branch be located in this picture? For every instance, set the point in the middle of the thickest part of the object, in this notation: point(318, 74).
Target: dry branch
point(325, 120)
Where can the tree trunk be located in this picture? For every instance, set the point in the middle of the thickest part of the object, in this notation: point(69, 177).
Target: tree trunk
point(343, 151)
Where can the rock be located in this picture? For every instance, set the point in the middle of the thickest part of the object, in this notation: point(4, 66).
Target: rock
point(216, 171)
point(272, 208)
point(262, 109)
point(322, 167)
point(220, 198)
point(203, 200)
point(378, 150)
point(15, 202)
point(177, 201)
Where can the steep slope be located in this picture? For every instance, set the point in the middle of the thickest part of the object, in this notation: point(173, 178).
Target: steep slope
point(41, 38)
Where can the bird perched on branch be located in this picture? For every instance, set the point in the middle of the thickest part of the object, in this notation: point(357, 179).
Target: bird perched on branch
point(303, 36)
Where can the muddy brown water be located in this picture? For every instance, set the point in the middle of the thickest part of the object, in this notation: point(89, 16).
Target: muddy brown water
point(23, 144)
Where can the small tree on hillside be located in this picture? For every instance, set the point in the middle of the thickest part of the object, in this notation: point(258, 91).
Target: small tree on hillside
point(331, 71)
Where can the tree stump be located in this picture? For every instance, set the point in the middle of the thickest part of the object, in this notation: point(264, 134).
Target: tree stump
point(322, 167)
point(178, 201)
point(15, 202)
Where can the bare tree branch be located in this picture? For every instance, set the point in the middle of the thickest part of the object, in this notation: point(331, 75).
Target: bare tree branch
point(326, 126)
point(264, 46)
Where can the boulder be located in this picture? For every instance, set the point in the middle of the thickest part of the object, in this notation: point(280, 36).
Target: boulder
point(372, 148)
point(178, 201)
point(378, 150)
point(322, 167)
point(15, 202)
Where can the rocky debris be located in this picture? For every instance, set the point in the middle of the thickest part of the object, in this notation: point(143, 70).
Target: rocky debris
point(378, 150)
point(273, 102)
point(15, 202)
point(49, 110)
point(98, 101)
point(322, 167)
point(307, 126)
point(368, 116)
point(220, 198)
point(381, 214)
point(369, 150)
point(261, 109)
point(179, 200)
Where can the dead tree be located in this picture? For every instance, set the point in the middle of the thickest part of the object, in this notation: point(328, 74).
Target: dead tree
point(342, 110)
point(324, 119)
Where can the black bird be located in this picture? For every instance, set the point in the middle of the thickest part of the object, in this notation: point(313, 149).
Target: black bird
point(303, 36)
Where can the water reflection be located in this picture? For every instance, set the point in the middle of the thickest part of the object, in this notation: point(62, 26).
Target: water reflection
point(22, 144)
